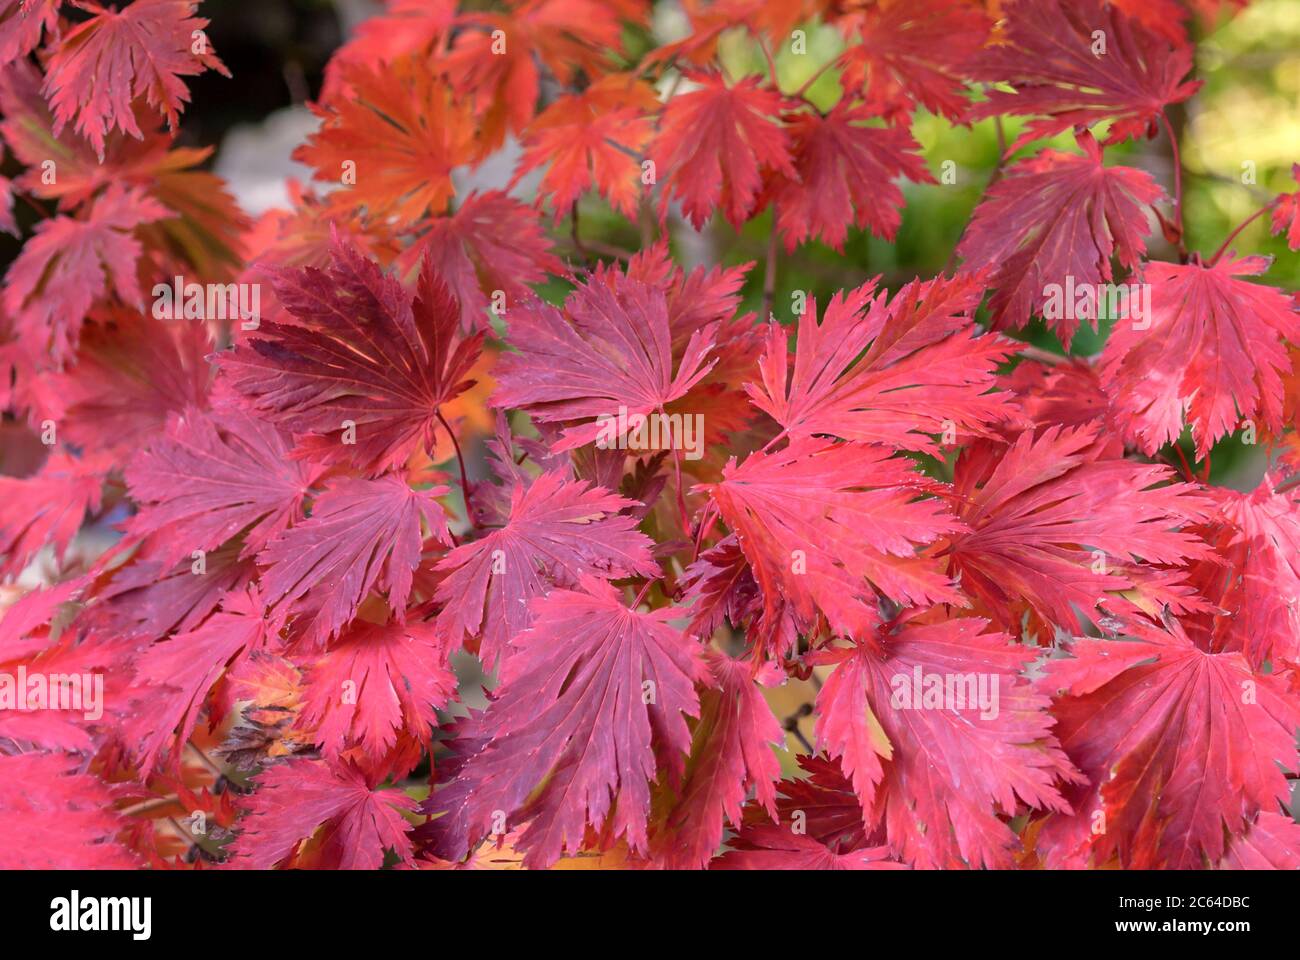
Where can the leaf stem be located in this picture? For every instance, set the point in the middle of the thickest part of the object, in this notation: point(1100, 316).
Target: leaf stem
point(645, 588)
point(817, 74)
point(1178, 183)
point(1242, 226)
point(683, 515)
point(460, 462)
point(769, 269)
point(771, 64)
point(1031, 352)
point(994, 177)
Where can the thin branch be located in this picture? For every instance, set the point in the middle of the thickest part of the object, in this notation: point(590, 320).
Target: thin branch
point(791, 725)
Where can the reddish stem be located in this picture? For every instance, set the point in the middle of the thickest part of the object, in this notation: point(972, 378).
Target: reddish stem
point(1178, 183)
point(798, 94)
point(460, 462)
point(771, 64)
point(1242, 226)
point(645, 588)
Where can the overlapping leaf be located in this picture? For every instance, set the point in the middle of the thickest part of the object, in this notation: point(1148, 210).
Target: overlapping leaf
point(364, 368)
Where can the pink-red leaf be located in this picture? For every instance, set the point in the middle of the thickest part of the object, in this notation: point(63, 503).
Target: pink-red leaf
point(557, 531)
point(296, 800)
point(362, 535)
point(610, 352)
point(1179, 746)
point(591, 704)
point(1059, 218)
point(362, 358)
point(102, 65)
point(714, 145)
point(826, 525)
point(1213, 351)
point(940, 734)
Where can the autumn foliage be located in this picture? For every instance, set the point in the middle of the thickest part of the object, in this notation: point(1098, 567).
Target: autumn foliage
point(295, 547)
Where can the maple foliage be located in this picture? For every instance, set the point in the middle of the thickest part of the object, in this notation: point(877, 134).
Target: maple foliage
point(1057, 215)
point(526, 523)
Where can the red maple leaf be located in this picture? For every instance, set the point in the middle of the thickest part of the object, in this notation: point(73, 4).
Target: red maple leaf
point(587, 689)
point(714, 146)
point(818, 826)
point(1068, 393)
point(1164, 17)
point(1055, 525)
point(1212, 349)
point(844, 174)
point(48, 507)
point(914, 52)
point(374, 683)
point(361, 535)
point(406, 27)
point(592, 139)
point(924, 372)
point(132, 373)
point(1178, 745)
point(361, 357)
point(102, 65)
point(210, 477)
point(495, 60)
point(172, 678)
point(355, 822)
point(719, 584)
point(557, 531)
point(21, 24)
point(731, 753)
point(21, 627)
point(392, 142)
point(1051, 55)
point(1254, 579)
point(609, 352)
point(147, 599)
point(939, 734)
point(826, 525)
point(1271, 843)
point(1286, 214)
point(492, 243)
point(1057, 218)
point(69, 264)
point(201, 234)
point(53, 816)
point(767, 847)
